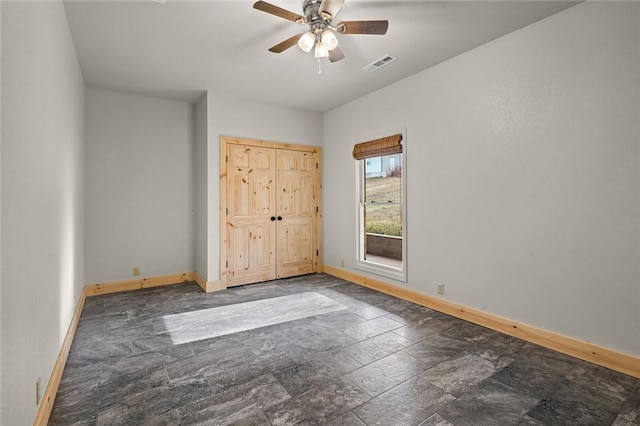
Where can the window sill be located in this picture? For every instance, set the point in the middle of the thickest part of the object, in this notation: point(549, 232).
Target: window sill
point(381, 269)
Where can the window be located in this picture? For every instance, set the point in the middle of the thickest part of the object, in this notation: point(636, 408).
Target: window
point(381, 207)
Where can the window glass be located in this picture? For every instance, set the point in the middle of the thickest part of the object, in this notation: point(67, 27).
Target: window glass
point(381, 244)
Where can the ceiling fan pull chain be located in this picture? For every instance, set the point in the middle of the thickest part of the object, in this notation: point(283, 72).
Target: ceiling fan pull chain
point(319, 67)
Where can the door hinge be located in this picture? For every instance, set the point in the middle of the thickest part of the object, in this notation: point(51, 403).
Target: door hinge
point(316, 165)
point(226, 158)
point(227, 264)
point(227, 209)
point(317, 209)
point(317, 253)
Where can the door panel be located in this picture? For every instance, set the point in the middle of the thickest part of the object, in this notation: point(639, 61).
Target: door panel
point(251, 204)
point(251, 255)
point(296, 204)
point(296, 252)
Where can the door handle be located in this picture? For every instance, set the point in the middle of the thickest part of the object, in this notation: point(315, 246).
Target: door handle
point(279, 217)
point(273, 218)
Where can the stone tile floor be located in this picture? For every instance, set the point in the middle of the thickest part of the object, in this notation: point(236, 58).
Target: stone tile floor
point(317, 350)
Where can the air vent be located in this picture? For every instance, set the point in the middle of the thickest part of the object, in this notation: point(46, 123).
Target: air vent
point(379, 63)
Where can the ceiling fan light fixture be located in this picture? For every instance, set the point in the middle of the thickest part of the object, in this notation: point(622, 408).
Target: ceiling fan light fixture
point(318, 15)
point(321, 51)
point(306, 41)
point(329, 40)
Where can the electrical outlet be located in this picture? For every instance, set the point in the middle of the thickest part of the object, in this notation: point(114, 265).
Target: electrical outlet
point(136, 271)
point(342, 263)
point(440, 288)
point(38, 390)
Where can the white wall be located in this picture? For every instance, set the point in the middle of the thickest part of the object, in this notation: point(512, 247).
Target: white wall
point(523, 174)
point(139, 186)
point(235, 117)
point(0, 215)
point(42, 191)
point(200, 185)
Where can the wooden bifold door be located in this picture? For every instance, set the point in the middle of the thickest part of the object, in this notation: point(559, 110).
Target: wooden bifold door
point(272, 211)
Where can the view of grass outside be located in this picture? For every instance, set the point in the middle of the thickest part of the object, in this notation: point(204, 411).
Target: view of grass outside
point(385, 217)
point(385, 220)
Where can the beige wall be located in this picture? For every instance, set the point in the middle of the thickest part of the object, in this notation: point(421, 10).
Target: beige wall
point(42, 197)
point(139, 186)
point(200, 187)
point(522, 174)
point(0, 216)
point(234, 117)
point(523, 180)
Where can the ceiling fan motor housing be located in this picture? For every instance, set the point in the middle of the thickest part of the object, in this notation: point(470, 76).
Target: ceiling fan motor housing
point(318, 14)
point(315, 20)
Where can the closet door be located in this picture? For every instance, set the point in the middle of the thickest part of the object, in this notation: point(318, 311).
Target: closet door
point(251, 215)
point(296, 212)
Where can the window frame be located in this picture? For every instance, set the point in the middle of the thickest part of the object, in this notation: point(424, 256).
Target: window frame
point(398, 274)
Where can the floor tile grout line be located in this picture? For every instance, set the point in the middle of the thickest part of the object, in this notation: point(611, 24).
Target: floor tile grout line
point(358, 417)
point(395, 386)
point(364, 391)
point(513, 356)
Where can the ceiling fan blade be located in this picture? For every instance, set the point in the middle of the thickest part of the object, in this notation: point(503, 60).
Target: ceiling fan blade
point(336, 54)
point(363, 27)
point(282, 46)
point(278, 11)
point(329, 8)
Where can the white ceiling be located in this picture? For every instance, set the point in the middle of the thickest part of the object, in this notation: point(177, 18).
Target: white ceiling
point(179, 49)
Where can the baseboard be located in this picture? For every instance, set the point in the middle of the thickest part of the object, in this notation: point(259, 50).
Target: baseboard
point(49, 396)
point(199, 279)
point(215, 286)
point(208, 286)
point(615, 360)
point(126, 285)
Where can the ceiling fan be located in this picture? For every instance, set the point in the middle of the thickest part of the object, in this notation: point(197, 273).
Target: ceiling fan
point(319, 14)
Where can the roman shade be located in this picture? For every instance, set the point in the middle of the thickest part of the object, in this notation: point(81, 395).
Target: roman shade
point(378, 147)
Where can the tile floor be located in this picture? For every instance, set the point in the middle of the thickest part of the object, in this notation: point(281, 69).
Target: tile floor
point(317, 350)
